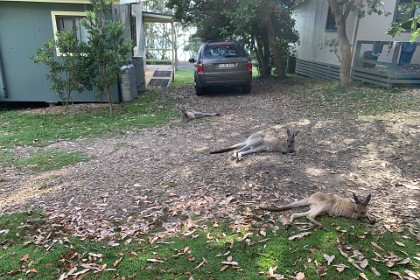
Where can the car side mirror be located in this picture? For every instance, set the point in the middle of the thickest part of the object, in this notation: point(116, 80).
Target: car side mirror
point(191, 60)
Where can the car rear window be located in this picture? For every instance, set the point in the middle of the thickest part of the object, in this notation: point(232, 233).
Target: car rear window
point(220, 51)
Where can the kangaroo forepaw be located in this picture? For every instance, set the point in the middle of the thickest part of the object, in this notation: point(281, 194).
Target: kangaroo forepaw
point(239, 157)
point(234, 156)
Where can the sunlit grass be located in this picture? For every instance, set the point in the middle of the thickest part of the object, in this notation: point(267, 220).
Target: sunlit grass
point(329, 99)
point(50, 159)
point(199, 255)
point(20, 128)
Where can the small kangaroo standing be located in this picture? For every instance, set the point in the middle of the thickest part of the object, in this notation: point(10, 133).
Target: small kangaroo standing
point(330, 204)
point(191, 114)
point(258, 143)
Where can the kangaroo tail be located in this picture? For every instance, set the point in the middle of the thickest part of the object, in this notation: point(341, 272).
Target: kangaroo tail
point(223, 150)
point(299, 203)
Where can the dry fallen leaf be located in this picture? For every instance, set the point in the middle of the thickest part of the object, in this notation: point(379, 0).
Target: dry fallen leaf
point(231, 263)
point(25, 258)
point(363, 276)
point(364, 263)
point(224, 268)
point(390, 263)
point(405, 261)
point(272, 275)
point(400, 243)
point(117, 262)
point(329, 258)
point(300, 276)
point(374, 271)
point(300, 235)
point(201, 264)
point(377, 246)
point(396, 273)
point(412, 274)
point(340, 267)
point(155, 261)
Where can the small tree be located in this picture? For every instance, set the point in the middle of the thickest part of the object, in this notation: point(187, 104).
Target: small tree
point(410, 23)
point(106, 46)
point(360, 8)
point(68, 68)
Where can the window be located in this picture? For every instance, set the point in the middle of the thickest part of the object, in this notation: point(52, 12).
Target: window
point(331, 26)
point(405, 10)
point(65, 21)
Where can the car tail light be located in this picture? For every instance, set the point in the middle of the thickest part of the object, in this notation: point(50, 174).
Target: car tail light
point(200, 68)
point(249, 66)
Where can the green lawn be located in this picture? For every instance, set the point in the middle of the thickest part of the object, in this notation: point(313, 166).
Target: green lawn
point(33, 248)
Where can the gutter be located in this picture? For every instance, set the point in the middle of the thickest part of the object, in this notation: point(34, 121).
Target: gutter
point(3, 91)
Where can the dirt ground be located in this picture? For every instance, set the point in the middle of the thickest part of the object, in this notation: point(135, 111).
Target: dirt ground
point(164, 176)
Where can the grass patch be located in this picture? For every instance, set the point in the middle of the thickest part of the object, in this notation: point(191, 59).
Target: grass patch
point(20, 128)
point(329, 99)
point(5, 156)
point(32, 248)
point(45, 160)
point(183, 77)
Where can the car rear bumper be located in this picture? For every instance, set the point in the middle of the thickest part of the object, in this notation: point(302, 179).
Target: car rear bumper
point(224, 79)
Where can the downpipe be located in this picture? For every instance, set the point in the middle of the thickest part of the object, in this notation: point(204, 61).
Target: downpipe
point(3, 90)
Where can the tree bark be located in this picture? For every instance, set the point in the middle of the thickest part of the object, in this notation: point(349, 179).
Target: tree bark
point(262, 55)
point(265, 11)
point(345, 48)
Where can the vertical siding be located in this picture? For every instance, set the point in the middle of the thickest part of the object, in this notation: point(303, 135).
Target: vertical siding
point(310, 22)
point(24, 27)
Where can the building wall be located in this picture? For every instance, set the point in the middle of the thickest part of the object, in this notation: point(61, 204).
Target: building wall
point(311, 20)
point(24, 28)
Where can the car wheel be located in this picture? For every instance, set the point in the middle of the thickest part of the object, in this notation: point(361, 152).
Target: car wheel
point(246, 89)
point(199, 90)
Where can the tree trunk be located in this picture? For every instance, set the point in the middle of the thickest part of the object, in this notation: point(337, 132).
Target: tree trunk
point(263, 63)
point(345, 48)
point(266, 13)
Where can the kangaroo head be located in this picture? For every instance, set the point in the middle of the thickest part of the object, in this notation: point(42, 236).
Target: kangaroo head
point(361, 206)
point(184, 114)
point(290, 142)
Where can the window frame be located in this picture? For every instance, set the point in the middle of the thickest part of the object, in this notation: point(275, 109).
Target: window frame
point(330, 24)
point(54, 15)
point(398, 17)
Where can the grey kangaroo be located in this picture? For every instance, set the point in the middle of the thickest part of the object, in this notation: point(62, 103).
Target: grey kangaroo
point(258, 143)
point(331, 204)
point(191, 114)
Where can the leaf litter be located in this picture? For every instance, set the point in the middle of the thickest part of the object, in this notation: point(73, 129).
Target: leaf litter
point(148, 178)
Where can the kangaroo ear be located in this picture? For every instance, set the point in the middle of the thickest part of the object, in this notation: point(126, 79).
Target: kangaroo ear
point(356, 199)
point(296, 133)
point(288, 132)
point(367, 199)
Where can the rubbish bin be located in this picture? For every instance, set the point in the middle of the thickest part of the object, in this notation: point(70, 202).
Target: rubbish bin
point(369, 56)
point(127, 83)
point(140, 75)
point(291, 64)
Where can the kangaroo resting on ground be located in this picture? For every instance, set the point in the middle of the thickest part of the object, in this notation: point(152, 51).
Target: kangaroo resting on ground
point(191, 114)
point(257, 143)
point(330, 204)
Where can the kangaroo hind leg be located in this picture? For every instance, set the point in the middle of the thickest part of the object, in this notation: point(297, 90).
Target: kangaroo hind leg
point(313, 213)
point(250, 143)
point(250, 151)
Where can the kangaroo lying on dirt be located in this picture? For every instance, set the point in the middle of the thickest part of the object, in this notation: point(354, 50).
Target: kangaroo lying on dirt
point(191, 114)
point(257, 143)
point(330, 204)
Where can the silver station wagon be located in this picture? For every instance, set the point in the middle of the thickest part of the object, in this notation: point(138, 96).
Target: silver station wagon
point(222, 64)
